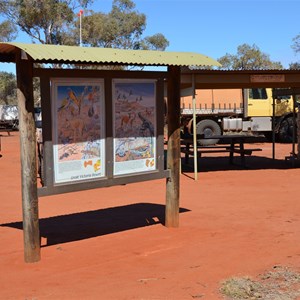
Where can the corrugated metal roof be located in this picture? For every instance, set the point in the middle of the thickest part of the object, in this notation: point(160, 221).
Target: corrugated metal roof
point(92, 55)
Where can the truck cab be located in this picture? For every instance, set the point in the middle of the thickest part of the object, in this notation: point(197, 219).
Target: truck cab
point(259, 103)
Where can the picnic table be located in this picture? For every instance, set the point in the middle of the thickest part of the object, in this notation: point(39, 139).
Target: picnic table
point(232, 144)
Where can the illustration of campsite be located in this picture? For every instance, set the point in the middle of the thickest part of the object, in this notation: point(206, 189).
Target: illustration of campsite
point(134, 107)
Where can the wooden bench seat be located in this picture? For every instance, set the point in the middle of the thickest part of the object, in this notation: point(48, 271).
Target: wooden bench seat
point(246, 151)
point(187, 148)
point(224, 150)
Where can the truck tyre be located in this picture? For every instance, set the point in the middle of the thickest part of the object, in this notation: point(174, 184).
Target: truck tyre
point(268, 135)
point(208, 128)
point(285, 133)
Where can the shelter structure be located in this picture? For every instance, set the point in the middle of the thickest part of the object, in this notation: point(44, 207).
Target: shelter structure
point(287, 80)
point(100, 89)
point(107, 92)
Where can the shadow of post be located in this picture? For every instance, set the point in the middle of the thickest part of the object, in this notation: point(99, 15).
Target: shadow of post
point(84, 225)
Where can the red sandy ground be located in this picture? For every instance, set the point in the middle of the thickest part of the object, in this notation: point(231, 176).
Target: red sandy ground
point(110, 243)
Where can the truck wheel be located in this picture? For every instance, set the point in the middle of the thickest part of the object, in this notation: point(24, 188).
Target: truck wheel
point(268, 135)
point(285, 134)
point(208, 128)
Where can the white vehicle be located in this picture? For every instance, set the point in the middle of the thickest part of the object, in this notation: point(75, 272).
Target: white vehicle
point(9, 117)
point(39, 141)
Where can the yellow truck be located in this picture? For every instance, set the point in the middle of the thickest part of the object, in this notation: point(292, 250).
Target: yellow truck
point(238, 110)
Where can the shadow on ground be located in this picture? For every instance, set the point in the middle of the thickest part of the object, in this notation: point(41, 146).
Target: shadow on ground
point(221, 163)
point(84, 225)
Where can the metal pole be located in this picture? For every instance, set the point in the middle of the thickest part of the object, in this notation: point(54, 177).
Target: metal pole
point(194, 130)
point(294, 129)
point(80, 33)
point(273, 128)
point(80, 27)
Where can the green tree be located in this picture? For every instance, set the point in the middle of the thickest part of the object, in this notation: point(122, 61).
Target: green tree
point(56, 22)
point(294, 66)
point(296, 43)
point(44, 21)
point(155, 42)
point(122, 27)
point(8, 88)
point(296, 48)
point(8, 31)
point(248, 58)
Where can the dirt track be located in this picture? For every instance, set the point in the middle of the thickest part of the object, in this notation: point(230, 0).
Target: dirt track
point(110, 243)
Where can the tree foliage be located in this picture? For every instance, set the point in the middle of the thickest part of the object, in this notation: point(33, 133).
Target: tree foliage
point(44, 21)
point(248, 58)
point(8, 31)
point(56, 22)
point(155, 42)
point(294, 66)
point(296, 43)
point(8, 88)
point(122, 27)
point(296, 47)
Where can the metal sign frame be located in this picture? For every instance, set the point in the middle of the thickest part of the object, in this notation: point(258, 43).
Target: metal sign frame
point(47, 77)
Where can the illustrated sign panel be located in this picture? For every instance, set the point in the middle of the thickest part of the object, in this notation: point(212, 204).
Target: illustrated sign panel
point(134, 109)
point(78, 119)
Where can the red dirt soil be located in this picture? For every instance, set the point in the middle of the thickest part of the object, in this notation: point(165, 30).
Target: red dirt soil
point(111, 243)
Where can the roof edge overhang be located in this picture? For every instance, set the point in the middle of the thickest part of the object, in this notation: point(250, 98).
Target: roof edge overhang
point(40, 53)
point(186, 70)
point(230, 79)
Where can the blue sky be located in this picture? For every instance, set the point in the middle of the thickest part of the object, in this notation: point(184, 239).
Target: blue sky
point(217, 27)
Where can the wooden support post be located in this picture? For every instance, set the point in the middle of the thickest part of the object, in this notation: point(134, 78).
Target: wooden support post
point(294, 129)
point(298, 134)
point(273, 128)
point(173, 154)
point(194, 129)
point(28, 160)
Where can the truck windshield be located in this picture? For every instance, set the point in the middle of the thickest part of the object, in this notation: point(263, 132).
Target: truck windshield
point(283, 97)
point(258, 94)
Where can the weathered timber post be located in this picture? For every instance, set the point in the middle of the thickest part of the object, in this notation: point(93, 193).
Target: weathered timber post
point(28, 159)
point(298, 134)
point(173, 152)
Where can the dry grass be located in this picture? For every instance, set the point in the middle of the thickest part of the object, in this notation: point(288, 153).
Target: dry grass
point(281, 283)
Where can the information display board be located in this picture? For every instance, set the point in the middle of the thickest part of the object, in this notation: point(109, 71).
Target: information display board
point(134, 121)
point(78, 129)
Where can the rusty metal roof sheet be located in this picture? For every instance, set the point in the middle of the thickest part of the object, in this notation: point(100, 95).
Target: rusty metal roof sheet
point(92, 55)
